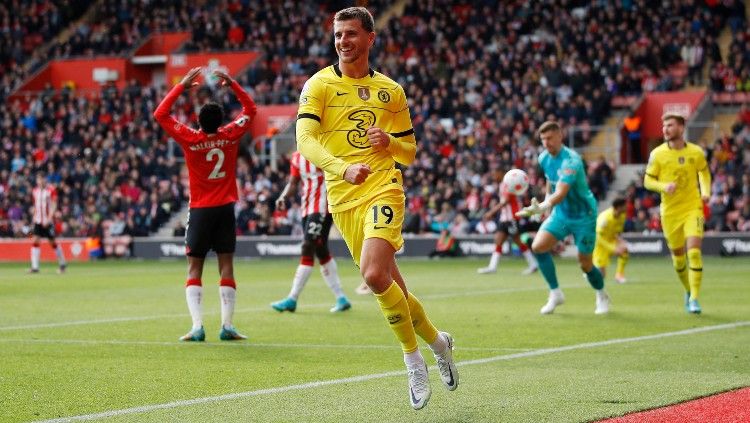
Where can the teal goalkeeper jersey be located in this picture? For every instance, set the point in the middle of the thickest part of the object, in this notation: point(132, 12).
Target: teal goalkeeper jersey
point(568, 167)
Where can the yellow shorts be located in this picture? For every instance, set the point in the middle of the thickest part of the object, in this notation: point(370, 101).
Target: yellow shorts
point(601, 255)
point(380, 217)
point(678, 227)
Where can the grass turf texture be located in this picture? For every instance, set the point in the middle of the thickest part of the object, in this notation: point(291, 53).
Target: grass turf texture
point(123, 350)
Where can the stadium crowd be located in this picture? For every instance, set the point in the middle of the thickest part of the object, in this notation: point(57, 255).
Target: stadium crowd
point(478, 91)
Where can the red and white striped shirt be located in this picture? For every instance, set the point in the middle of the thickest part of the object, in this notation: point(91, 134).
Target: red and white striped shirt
point(44, 198)
point(313, 185)
point(512, 205)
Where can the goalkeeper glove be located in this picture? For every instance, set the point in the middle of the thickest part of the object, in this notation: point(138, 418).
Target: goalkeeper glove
point(535, 208)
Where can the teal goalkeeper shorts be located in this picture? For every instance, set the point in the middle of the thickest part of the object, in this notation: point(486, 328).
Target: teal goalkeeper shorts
point(583, 230)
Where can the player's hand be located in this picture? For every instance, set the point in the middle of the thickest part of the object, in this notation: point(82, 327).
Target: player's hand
point(379, 140)
point(226, 80)
point(534, 208)
point(670, 188)
point(281, 203)
point(357, 173)
point(188, 81)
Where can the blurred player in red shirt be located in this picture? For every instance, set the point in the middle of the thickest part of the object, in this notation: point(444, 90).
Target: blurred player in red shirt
point(211, 158)
point(45, 204)
point(508, 226)
point(316, 223)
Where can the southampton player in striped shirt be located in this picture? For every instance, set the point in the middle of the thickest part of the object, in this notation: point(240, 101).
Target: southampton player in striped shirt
point(677, 169)
point(508, 226)
point(316, 224)
point(45, 204)
point(211, 159)
point(354, 123)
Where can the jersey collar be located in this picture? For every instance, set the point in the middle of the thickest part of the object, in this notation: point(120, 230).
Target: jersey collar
point(337, 70)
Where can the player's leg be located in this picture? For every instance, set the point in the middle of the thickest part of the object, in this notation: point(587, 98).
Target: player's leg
point(224, 241)
point(441, 343)
point(36, 251)
point(380, 223)
point(601, 257)
point(694, 236)
point(584, 232)
point(301, 275)
point(622, 259)
point(500, 236)
point(544, 242)
point(532, 265)
point(329, 268)
point(61, 264)
point(194, 298)
point(673, 228)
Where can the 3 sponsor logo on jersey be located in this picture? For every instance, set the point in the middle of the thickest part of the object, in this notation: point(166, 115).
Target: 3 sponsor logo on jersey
point(357, 137)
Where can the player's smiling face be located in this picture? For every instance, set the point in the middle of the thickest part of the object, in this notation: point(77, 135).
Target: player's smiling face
point(351, 40)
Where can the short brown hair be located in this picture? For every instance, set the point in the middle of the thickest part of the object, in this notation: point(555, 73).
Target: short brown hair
point(548, 126)
point(618, 202)
point(360, 13)
point(679, 118)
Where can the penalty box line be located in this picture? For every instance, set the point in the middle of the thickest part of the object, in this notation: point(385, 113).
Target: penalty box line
point(364, 378)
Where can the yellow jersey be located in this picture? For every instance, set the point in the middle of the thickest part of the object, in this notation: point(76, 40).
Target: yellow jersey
point(684, 167)
point(608, 226)
point(345, 108)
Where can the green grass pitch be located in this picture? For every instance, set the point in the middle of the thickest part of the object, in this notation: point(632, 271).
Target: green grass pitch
point(101, 340)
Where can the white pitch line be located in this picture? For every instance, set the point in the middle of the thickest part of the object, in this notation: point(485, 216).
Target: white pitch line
point(265, 308)
point(231, 344)
point(363, 378)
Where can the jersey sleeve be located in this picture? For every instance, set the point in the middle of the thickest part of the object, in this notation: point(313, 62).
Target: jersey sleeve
point(294, 165)
point(602, 222)
point(653, 168)
point(169, 124)
point(569, 171)
point(311, 103)
point(241, 123)
point(403, 144)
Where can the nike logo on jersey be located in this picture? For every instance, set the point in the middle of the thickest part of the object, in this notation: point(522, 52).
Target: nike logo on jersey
point(339, 94)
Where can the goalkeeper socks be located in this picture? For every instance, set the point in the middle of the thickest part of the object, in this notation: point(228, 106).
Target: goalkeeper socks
point(423, 327)
point(695, 272)
point(395, 309)
point(622, 260)
point(228, 295)
point(594, 276)
point(680, 266)
point(194, 297)
point(547, 267)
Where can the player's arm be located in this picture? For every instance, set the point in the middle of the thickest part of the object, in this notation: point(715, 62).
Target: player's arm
point(289, 190)
point(704, 182)
point(249, 109)
point(308, 133)
point(400, 143)
point(651, 179)
point(170, 125)
point(496, 208)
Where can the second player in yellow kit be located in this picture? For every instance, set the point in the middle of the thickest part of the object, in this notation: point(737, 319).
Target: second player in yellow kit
point(354, 123)
point(609, 225)
point(678, 170)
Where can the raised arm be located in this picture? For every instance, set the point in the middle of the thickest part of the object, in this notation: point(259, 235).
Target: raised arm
point(170, 125)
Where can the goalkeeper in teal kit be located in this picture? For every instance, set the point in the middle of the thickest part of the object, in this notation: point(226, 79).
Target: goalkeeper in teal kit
point(573, 213)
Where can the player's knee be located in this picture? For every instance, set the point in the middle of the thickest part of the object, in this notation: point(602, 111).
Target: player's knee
point(695, 258)
point(375, 277)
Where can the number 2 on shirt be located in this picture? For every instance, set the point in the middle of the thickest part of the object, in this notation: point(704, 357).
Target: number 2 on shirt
point(217, 173)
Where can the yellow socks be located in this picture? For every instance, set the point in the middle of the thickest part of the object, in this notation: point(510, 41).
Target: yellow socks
point(622, 260)
point(422, 324)
point(695, 274)
point(395, 308)
point(680, 266)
